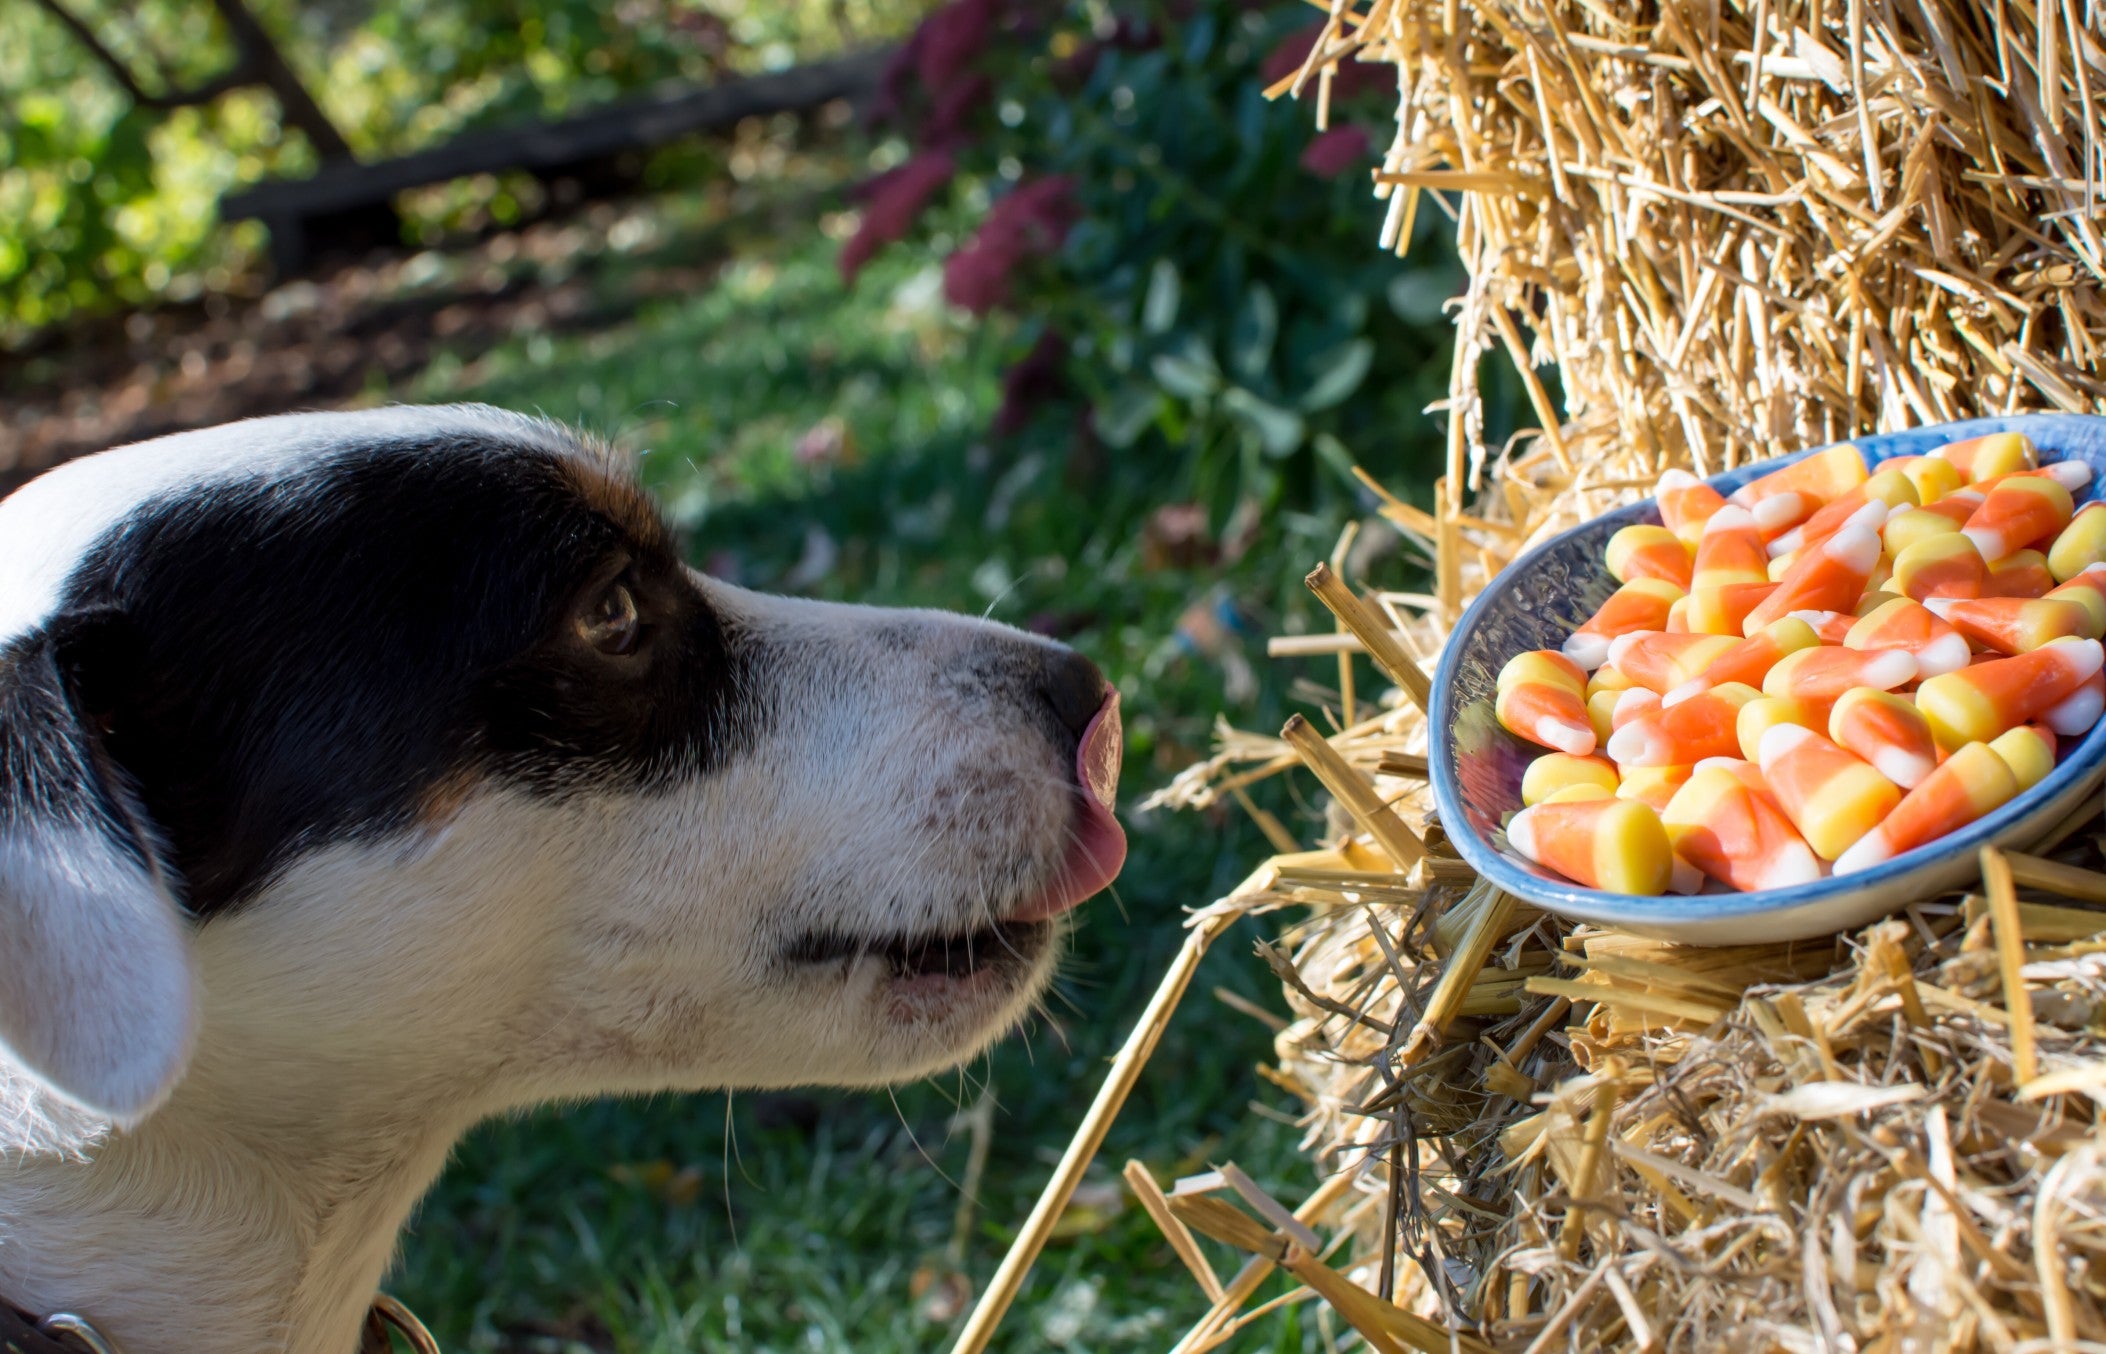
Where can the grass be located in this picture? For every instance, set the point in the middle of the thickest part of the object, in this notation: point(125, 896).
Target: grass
point(831, 1221)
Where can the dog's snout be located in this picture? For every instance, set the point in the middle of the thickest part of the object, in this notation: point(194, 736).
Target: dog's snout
point(1074, 688)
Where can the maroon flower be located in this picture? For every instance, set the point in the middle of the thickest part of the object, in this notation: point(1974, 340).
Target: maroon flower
point(1037, 377)
point(947, 118)
point(892, 201)
point(1032, 221)
point(1336, 152)
point(1353, 77)
point(949, 40)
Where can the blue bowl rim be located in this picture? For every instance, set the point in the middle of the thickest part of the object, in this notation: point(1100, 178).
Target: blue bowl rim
point(1669, 909)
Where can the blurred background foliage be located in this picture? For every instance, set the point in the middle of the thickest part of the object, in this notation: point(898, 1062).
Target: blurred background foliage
point(1074, 328)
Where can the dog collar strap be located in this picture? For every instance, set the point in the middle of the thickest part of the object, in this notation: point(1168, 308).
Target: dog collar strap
point(61, 1334)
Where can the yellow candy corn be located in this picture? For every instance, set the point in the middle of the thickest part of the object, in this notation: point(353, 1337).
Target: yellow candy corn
point(1541, 698)
point(1979, 702)
point(1830, 795)
point(1911, 525)
point(2086, 588)
point(1887, 731)
point(1758, 717)
point(1941, 566)
point(2081, 544)
point(1613, 844)
point(1557, 771)
point(1972, 782)
point(2019, 510)
point(1601, 710)
point(2022, 574)
point(1722, 610)
point(2012, 624)
point(1933, 476)
point(1985, 458)
point(1641, 604)
point(2029, 750)
point(1653, 785)
point(1648, 552)
point(1910, 626)
point(1736, 835)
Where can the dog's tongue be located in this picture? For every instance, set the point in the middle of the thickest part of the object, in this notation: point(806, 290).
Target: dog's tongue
point(1099, 845)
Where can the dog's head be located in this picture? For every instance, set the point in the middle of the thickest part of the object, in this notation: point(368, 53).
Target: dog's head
point(405, 738)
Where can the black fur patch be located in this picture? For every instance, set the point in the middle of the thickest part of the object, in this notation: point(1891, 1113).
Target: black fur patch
point(345, 647)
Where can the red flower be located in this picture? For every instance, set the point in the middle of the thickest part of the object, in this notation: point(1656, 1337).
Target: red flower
point(1353, 77)
point(892, 202)
point(1037, 377)
point(1336, 152)
point(1032, 221)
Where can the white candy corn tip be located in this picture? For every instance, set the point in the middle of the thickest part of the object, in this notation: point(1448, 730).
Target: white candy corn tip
point(2086, 656)
point(1855, 548)
point(1947, 653)
point(1675, 479)
point(1904, 768)
point(1887, 669)
point(1639, 745)
point(1685, 878)
point(2096, 566)
point(1778, 742)
point(1521, 833)
point(1792, 866)
point(1867, 851)
point(1988, 543)
point(1786, 543)
point(1621, 645)
point(2069, 474)
point(1695, 686)
point(1777, 511)
point(1587, 652)
point(1732, 517)
point(2077, 712)
point(1941, 606)
point(1633, 701)
point(1573, 738)
point(1872, 514)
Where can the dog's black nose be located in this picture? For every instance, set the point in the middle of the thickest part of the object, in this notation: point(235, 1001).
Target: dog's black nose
point(1074, 688)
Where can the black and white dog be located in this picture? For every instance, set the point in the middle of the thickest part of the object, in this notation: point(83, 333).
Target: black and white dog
point(365, 775)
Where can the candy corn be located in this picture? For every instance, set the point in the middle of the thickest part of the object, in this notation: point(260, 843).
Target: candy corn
point(1640, 604)
point(1653, 785)
point(2081, 544)
point(2080, 709)
point(1934, 477)
point(1868, 506)
point(1820, 478)
point(2012, 625)
point(1662, 660)
point(1648, 552)
point(1683, 733)
point(1827, 577)
point(1829, 627)
point(1758, 717)
point(1615, 844)
point(1547, 775)
point(1630, 705)
point(1830, 795)
point(1910, 626)
point(1735, 835)
point(1541, 698)
point(1601, 714)
point(2019, 510)
point(1979, 702)
point(1730, 551)
point(2029, 750)
point(1887, 731)
point(1750, 659)
point(2021, 574)
point(1972, 782)
point(2086, 588)
point(1822, 675)
point(1686, 503)
point(1911, 525)
point(1941, 566)
point(1723, 610)
point(1983, 458)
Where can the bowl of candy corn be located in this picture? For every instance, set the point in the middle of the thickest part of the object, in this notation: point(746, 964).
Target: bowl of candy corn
point(1792, 698)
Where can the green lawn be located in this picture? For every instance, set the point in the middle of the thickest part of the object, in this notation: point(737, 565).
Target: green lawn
point(831, 1221)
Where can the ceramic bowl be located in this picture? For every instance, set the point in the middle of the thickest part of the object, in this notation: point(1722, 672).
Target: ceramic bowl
point(1541, 598)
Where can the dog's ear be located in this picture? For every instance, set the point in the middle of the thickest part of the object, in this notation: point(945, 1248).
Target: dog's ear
point(98, 990)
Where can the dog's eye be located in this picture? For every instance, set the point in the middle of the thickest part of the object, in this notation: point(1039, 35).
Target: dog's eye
point(609, 622)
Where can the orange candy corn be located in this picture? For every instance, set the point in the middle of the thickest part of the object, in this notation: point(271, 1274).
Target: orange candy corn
point(1662, 660)
point(1830, 795)
point(1827, 577)
point(1889, 489)
point(1686, 503)
point(1652, 785)
point(1758, 717)
point(2019, 510)
point(1641, 604)
point(2012, 625)
point(1941, 566)
point(1735, 834)
point(2080, 709)
point(1750, 659)
point(1557, 771)
point(1820, 478)
point(1970, 783)
point(2023, 574)
point(1614, 844)
point(1723, 610)
point(1685, 732)
point(1541, 698)
point(1821, 676)
point(2086, 588)
point(1913, 628)
point(1887, 731)
point(1983, 458)
point(1730, 551)
point(2081, 544)
point(1648, 552)
point(1979, 702)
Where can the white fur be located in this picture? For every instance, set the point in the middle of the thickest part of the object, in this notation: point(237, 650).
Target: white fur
point(378, 998)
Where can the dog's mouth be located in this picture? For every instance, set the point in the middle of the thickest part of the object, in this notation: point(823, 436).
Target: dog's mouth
point(954, 956)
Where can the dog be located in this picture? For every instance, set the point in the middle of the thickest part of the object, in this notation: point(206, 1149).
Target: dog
point(364, 775)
